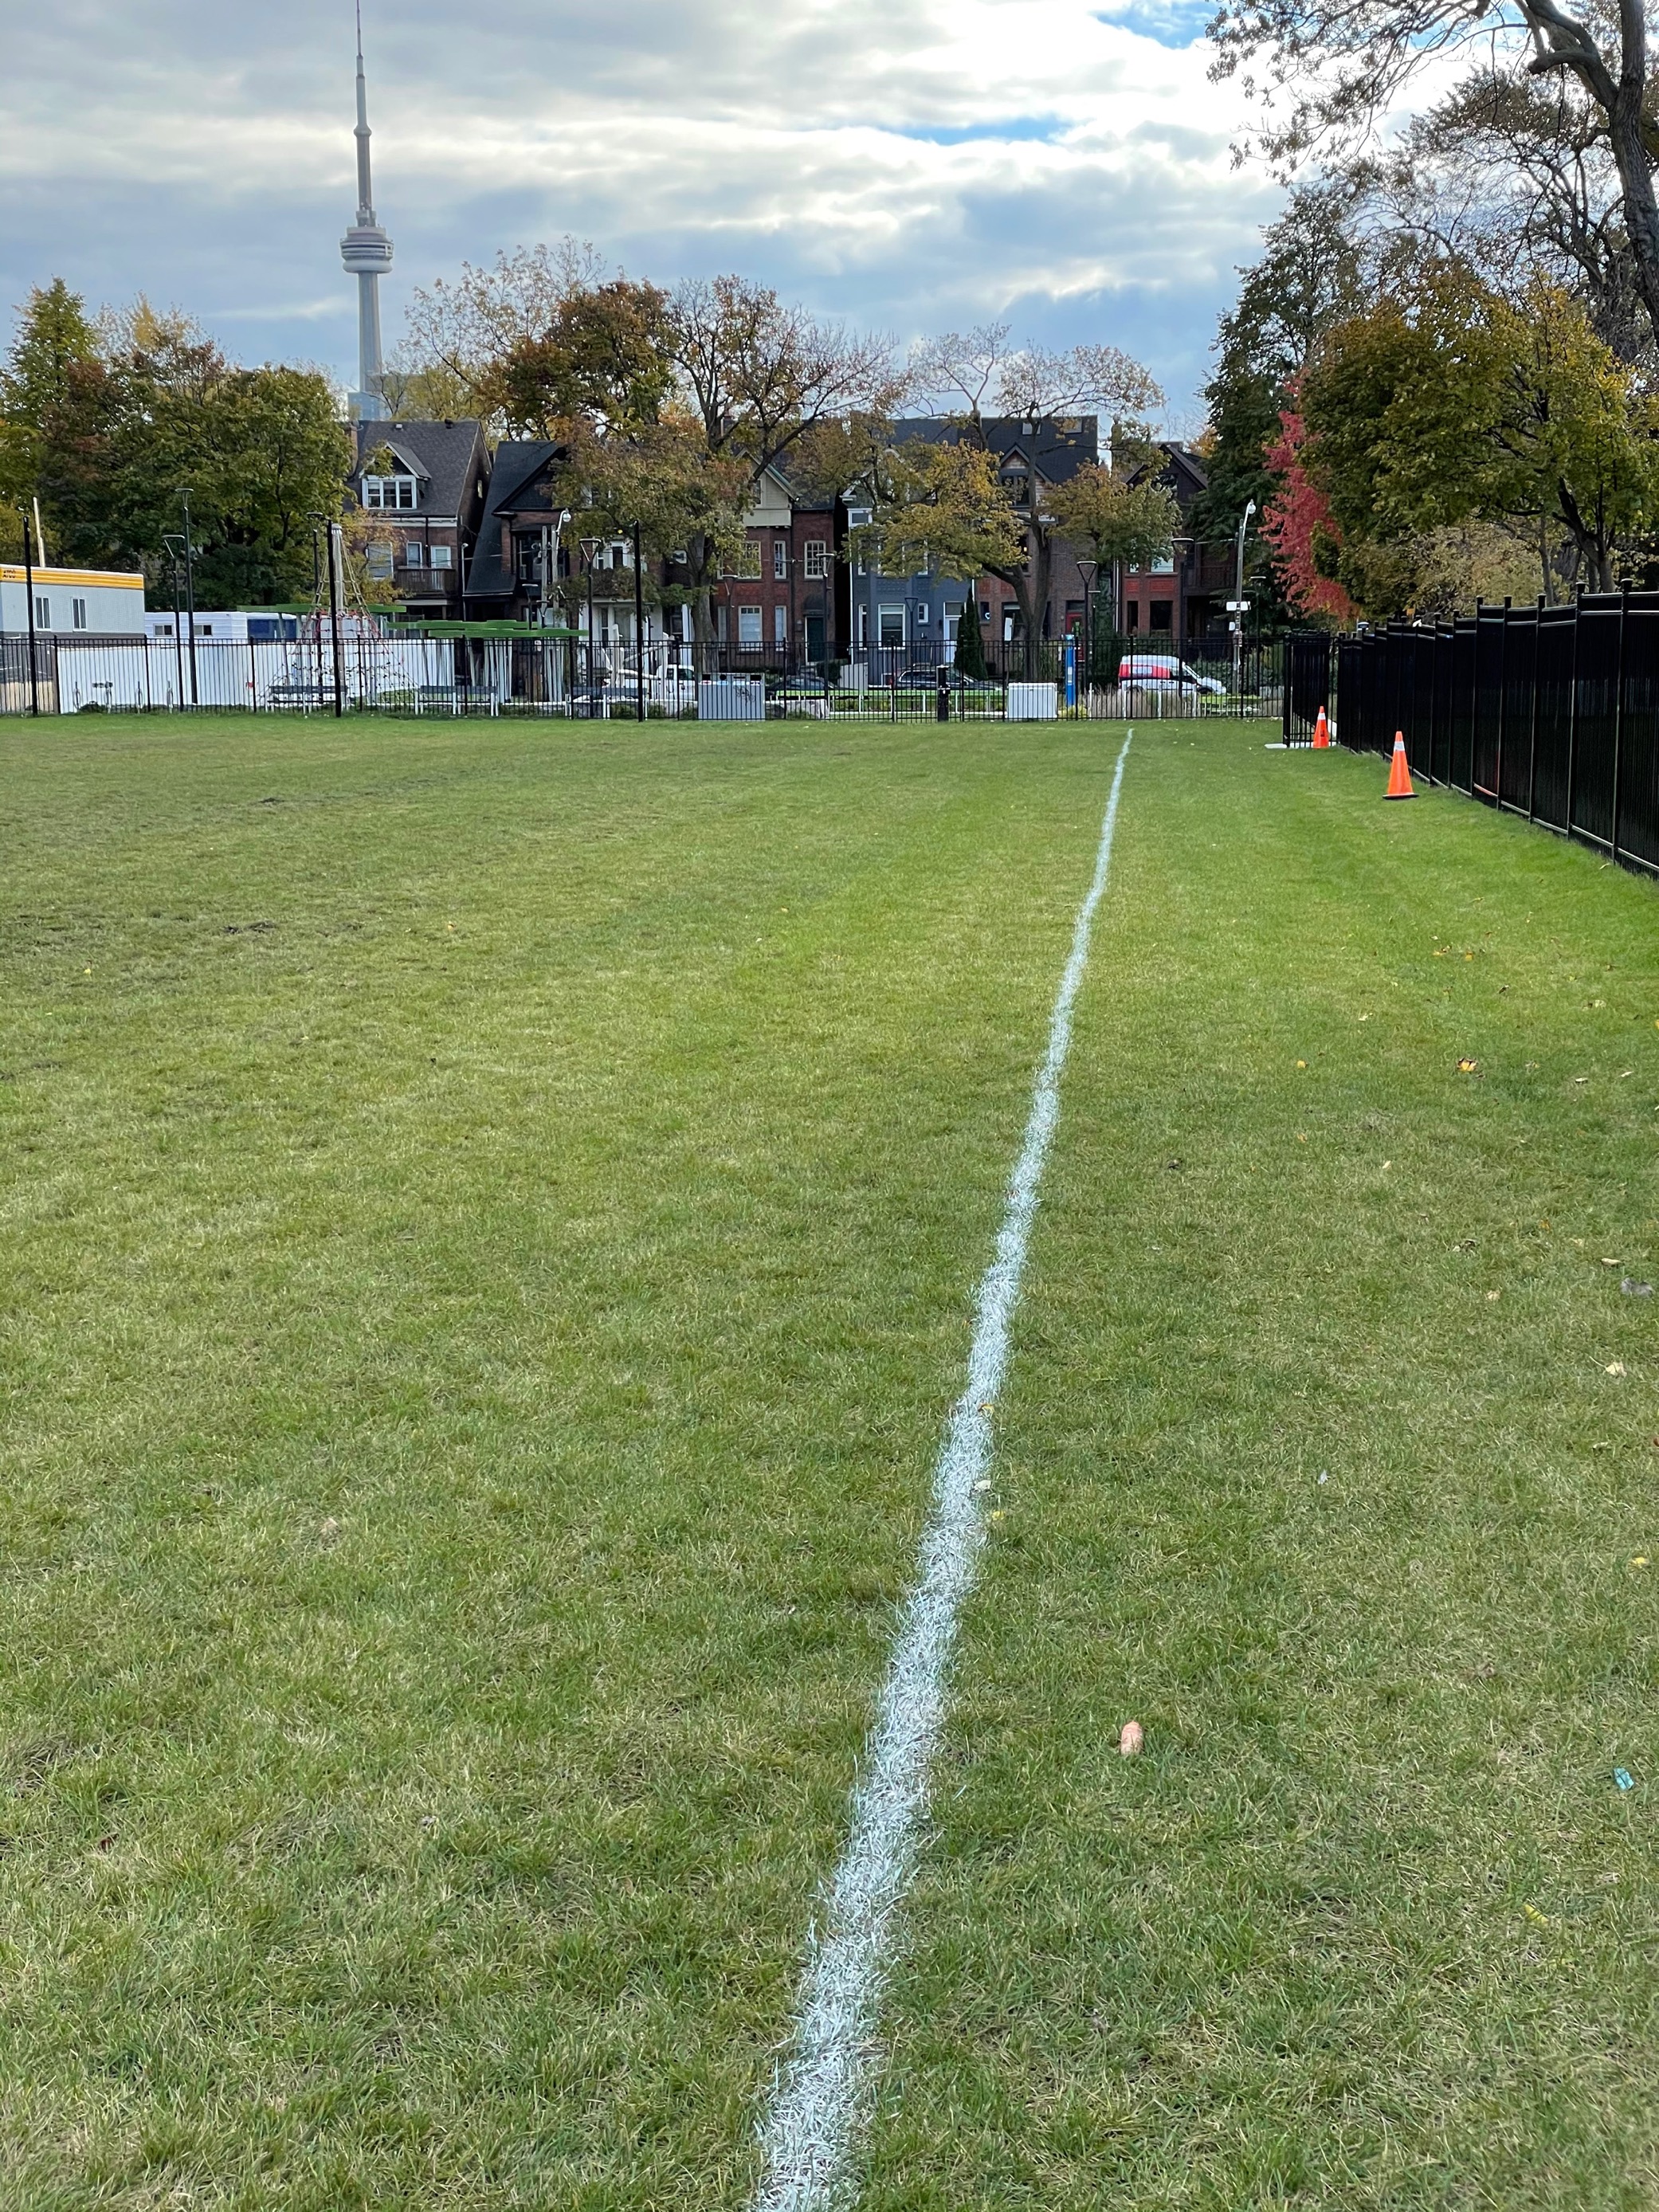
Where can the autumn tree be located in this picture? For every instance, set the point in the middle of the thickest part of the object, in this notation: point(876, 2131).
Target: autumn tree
point(1452, 402)
point(1324, 71)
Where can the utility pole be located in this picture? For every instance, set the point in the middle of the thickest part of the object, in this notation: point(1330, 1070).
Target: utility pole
point(28, 587)
point(1238, 603)
point(189, 599)
point(639, 631)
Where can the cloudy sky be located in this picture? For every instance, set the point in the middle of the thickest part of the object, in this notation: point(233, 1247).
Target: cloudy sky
point(911, 165)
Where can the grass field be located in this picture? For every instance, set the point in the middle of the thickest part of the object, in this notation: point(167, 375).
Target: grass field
point(491, 1218)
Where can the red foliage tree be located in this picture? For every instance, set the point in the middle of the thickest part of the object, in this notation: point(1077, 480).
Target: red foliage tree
point(1298, 518)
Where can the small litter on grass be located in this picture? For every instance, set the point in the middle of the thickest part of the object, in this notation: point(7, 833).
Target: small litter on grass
point(1492, 1297)
point(1632, 1289)
point(1623, 1778)
point(1640, 1560)
point(1613, 1367)
point(1540, 1919)
point(1324, 1474)
point(1130, 1740)
point(1468, 1067)
point(1300, 1063)
point(979, 1488)
point(1609, 1263)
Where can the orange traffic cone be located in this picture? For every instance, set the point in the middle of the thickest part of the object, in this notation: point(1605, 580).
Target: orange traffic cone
point(1321, 733)
point(1399, 776)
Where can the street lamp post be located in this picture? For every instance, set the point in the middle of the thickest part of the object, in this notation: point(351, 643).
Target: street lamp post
point(590, 551)
point(1239, 603)
point(29, 591)
point(639, 631)
point(189, 599)
point(1088, 570)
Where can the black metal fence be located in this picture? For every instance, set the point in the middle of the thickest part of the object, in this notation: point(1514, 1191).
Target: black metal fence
point(1549, 712)
point(363, 664)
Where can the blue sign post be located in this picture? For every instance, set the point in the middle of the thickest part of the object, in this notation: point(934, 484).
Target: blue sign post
point(1071, 668)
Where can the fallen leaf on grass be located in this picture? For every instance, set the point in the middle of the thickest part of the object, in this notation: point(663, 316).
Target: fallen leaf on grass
point(1492, 1297)
point(1613, 1367)
point(1640, 1560)
point(1542, 1919)
point(1468, 1068)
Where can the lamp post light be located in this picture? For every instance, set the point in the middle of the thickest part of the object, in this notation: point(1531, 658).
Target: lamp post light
point(639, 630)
point(591, 549)
point(1239, 603)
point(1088, 570)
point(190, 598)
point(175, 551)
point(28, 593)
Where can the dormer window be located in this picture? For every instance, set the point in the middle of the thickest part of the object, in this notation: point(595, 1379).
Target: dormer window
point(389, 493)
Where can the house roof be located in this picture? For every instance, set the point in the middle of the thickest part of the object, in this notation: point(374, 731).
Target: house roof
point(442, 454)
point(517, 486)
point(1057, 445)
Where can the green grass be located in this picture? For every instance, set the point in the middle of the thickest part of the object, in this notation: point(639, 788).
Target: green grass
point(485, 1252)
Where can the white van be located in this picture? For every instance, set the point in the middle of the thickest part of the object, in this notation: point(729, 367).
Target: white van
point(1166, 672)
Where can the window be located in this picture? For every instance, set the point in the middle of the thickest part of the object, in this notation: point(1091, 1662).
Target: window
point(678, 557)
point(42, 612)
point(443, 557)
point(985, 611)
point(380, 562)
point(922, 616)
point(749, 626)
point(780, 625)
point(1162, 610)
point(748, 562)
point(414, 554)
point(530, 559)
point(818, 560)
point(78, 613)
point(780, 559)
point(163, 629)
point(864, 626)
point(1132, 616)
point(1165, 565)
point(890, 630)
point(382, 492)
point(619, 556)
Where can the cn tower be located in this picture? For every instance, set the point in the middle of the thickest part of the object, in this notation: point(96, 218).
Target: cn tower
point(366, 252)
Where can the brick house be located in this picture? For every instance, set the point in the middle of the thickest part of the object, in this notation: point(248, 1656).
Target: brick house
point(920, 614)
point(430, 501)
point(1185, 597)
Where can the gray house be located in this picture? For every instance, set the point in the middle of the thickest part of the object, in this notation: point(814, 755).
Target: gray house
point(918, 615)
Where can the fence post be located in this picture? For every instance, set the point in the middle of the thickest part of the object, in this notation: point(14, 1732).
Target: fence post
point(1572, 716)
point(1532, 734)
point(1619, 714)
point(1503, 706)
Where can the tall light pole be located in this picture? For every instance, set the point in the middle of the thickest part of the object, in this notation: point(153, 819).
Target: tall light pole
point(28, 593)
point(1239, 603)
point(189, 599)
point(639, 630)
point(1088, 570)
point(591, 549)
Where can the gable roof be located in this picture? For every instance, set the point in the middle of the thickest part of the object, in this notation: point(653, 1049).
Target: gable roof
point(442, 454)
point(1055, 445)
point(517, 486)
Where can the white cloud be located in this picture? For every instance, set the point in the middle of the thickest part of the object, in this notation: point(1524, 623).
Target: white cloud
point(903, 163)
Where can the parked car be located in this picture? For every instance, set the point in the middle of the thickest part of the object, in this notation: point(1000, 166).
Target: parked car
point(1167, 672)
point(924, 678)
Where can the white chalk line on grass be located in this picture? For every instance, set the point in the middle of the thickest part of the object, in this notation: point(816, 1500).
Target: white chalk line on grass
point(820, 2099)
